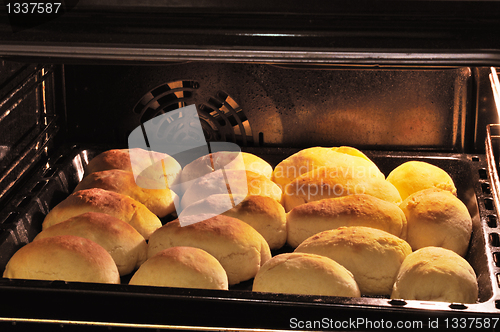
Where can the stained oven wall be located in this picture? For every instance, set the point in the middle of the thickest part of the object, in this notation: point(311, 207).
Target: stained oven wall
point(270, 105)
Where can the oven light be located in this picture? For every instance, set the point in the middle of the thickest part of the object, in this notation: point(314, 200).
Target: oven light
point(495, 86)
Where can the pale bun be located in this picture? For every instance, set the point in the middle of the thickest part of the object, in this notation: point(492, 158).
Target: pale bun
point(150, 164)
point(158, 201)
point(127, 247)
point(436, 274)
point(239, 248)
point(184, 267)
point(224, 160)
point(437, 218)
point(264, 214)
point(373, 256)
point(326, 182)
point(67, 257)
point(236, 182)
point(413, 176)
point(351, 151)
point(307, 274)
point(117, 205)
point(309, 159)
point(311, 218)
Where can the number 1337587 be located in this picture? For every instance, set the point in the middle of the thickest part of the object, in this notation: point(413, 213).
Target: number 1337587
point(471, 322)
point(33, 7)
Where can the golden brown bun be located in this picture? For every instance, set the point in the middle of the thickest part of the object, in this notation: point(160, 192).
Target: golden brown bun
point(351, 151)
point(184, 267)
point(99, 200)
point(308, 274)
point(373, 256)
point(227, 160)
point(67, 257)
point(325, 182)
point(436, 274)
point(127, 247)
point(311, 218)
point(138, 161)
point(239, 248)
point(309, 159)
point(158, 201)
point(262, 213)
point(437, 218)
point(414, 176)
point(240, 183)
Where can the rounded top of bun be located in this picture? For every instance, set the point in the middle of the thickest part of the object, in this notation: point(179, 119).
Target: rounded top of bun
point(124, 243)
point(436, 274)
point(413, 176)
point(66, 257)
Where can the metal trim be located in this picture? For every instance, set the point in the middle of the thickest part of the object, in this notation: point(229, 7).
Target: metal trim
point(368, 57)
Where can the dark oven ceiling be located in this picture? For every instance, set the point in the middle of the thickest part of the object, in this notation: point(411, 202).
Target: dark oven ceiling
point(372, 32)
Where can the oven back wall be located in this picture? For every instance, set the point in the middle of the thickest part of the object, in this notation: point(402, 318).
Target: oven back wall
point(260, 104)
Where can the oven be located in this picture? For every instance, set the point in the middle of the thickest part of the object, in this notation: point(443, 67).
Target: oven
point(399, 80)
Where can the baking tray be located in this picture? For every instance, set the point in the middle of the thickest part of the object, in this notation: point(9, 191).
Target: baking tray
point(126, 306)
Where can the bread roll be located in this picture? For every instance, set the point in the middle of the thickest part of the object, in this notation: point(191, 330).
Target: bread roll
point(67, 257)
point(436, 274)
point(373, 256)
point(236, 182)
point(158, 201)
point(311, 218)
point(127, 247)
point(224, 160)
point(183, 267)
point(239, 248)
point(309, 159)
point(264, 214)
point(99, 200)
point(437, 218)
point(150, 164)
point(325, 182)
point(414, 176)
point(308, 274)
point(351, 151)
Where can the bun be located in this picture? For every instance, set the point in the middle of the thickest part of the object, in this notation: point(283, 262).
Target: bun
point(150, 164)
point(184, 267)
point(239, 248)
point(127, 247)
point(308, 274)
point(309, 159)
point(311, 218)
point(373, 256)
point(414, 176)
point(224, 160)
point(325, 182)
point(158, 201)
point(351, 151)
point(436, 274)
point(99, 200)
point(437, 218)
point(264, 214)
point(240, 183)
point(68, 258)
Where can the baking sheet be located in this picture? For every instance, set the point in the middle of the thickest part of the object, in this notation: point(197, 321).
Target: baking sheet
point(22, 219)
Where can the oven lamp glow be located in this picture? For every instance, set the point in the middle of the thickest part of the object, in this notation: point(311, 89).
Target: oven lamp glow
point(495, 86)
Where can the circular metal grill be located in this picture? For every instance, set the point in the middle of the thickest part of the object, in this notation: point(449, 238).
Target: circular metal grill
point(222, 119)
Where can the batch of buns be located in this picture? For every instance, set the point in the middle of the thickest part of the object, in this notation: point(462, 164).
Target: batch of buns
point(352, 231)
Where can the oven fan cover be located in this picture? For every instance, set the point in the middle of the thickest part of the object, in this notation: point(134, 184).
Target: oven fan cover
point(221, 117)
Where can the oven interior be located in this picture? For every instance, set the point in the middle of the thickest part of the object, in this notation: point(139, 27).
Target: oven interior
point(399, 80)
point(56, 117)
